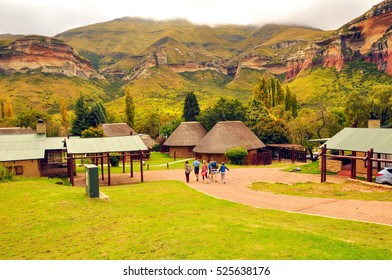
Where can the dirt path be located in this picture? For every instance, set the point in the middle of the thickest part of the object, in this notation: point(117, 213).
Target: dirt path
point(236, 190)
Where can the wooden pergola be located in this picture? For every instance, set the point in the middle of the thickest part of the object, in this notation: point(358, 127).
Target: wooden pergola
point(100, 149)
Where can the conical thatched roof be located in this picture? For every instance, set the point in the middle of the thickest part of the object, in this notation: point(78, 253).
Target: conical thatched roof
point(187, 134)
point(227, 135)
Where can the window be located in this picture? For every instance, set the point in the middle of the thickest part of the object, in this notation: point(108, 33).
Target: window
point(389, 170)
point(55, 157)
point(17, 170)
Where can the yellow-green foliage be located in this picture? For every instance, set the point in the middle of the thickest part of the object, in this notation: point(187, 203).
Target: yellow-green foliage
point(44, 92)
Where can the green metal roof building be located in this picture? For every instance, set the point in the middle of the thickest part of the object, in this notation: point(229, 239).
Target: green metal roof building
point(362, 140)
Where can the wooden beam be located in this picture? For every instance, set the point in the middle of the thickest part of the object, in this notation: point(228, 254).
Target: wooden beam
point(109, 180)
point(141, 166)
point(323, 164)
point(123, 161)
point(72, 171)
point(369, 175)
point(354, 166)
point(131, 158)
point(102, 171)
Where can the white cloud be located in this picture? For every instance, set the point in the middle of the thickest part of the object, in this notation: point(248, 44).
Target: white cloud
point(50, 17)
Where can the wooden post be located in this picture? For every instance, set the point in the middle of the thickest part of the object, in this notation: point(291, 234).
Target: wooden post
point(109, 181)
point(131, 159)
point(369, 166)
point(292, 155)
point(324, 164)
point(123, 161)
point(379, 162)
point(279, 155)
point(354, 166)
point(175, 155)
point(72, 171)
point(141, 166)
point(102, 171)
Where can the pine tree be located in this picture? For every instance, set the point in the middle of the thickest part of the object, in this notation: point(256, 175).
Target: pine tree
point(80, 122)
point(129, 109)
point(96, 116)
point(191, 107)
point(8, 112)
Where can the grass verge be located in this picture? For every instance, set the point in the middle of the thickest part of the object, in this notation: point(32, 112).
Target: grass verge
point(346, 190)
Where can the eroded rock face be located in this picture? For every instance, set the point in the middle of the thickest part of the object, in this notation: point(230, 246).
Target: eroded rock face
point(33, 54)
point(367, 37)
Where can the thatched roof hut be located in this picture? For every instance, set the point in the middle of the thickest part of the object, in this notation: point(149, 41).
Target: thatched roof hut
point(185, 138)
point(117, 129)
point(148, 141)
point(225, 136)
point(16, 130)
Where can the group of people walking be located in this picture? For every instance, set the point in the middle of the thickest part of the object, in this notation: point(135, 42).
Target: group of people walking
point(209, 171)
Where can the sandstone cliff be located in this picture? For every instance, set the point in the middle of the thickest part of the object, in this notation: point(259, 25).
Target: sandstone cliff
point(33, 54)
point(367, 38)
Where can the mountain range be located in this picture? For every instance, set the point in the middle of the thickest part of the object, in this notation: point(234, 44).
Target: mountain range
point(161, 60)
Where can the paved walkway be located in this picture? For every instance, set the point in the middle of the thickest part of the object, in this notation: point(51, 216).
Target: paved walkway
point(236, 190)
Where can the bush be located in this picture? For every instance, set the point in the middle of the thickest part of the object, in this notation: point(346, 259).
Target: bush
point(6, 174)
point(237, 155)
point(156, 148)
point(114, 161)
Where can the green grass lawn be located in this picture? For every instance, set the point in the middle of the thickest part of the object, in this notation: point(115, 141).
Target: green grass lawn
point(346, 190)
point(168, 220)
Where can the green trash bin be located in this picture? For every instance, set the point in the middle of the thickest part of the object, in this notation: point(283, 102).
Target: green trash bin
point(92, 182)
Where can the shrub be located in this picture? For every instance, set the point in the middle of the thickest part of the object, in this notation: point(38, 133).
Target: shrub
point(6, 174)
point(156, 148)
point(237, 155)
point(114, 161)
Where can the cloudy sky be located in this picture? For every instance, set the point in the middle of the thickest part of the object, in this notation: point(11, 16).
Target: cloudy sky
point(50, 17)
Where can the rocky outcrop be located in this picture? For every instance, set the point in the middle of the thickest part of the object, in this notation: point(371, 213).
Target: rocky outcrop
point(367, 38)
point(159, 57)
point(32, 54)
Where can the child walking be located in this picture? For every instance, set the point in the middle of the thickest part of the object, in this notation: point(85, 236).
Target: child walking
point(204, 170)
point(222, 171)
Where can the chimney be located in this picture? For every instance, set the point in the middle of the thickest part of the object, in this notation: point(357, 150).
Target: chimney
point(41, 127)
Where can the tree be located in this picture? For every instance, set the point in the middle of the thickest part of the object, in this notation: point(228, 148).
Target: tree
point(8, 112)
point(381, 103)
point(191, 107)
point(92, 132)
point(80, 122)
point(169, 128)
point(255, 112)
point(149, 125)
point(64, 117)
point(2, 109)
point(357, 109)
point(129, 108)
point(223, 110)
point(272, 131)
point(96, 116)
